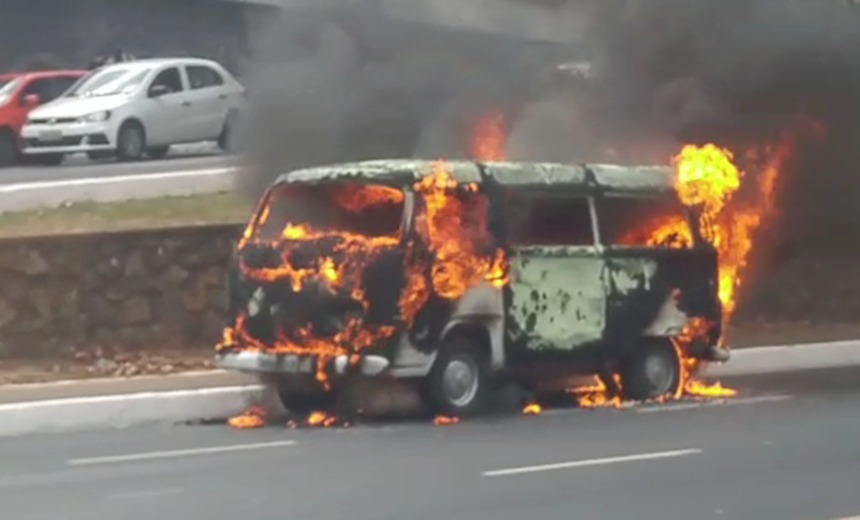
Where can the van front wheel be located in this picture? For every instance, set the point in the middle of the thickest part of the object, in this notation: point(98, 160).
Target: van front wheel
point(457, 385)
point(652, 371)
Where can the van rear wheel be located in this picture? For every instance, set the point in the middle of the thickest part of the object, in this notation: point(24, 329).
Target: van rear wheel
point(652, 371)
point(458, 385)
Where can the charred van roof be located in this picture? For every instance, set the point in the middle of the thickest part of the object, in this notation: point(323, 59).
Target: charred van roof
point(588, 177)
point(393, 171)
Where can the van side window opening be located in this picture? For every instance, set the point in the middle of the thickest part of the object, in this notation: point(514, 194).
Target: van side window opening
point(369, 210)
point(547, 219)
point(644, 222)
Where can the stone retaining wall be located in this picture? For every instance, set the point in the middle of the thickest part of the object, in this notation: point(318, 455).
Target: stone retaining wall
point(156, 289)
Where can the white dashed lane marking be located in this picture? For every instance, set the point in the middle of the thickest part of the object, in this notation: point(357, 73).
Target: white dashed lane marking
point(132, 457)
point(591, 462)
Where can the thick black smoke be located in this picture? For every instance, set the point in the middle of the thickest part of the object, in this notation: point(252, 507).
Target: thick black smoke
point(352, 83)
point(740, 73)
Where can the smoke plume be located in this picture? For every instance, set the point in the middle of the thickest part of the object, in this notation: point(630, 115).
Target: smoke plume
point(355, 83)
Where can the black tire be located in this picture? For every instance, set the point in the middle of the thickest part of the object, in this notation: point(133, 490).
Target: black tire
point(458, 384)
point(8, 149)
point(157, 152)
point(653, 371)
point(303, 402)
point(225, 138)
point(130, 142)
point(47, 159)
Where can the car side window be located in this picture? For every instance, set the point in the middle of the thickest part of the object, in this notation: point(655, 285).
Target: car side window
point(170, 79)
point(62, 84)
point(547, 219)
point(200, 76)
point(42, 87)
point(643, 222)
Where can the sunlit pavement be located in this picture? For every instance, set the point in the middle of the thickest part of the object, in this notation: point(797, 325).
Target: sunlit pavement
point(785, 449)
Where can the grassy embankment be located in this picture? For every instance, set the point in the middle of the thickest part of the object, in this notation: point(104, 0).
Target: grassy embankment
point(221, 208)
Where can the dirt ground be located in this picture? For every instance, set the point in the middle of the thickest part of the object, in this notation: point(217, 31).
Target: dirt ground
point(170, 362)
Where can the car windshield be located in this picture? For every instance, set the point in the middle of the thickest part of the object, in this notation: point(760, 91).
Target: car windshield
point(110, 81)
point(370, 210)
point(7, 87)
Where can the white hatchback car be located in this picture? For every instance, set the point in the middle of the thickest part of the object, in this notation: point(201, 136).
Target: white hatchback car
point(136, 108)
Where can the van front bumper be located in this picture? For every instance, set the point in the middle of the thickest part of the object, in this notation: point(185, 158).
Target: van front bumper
point(257, 362)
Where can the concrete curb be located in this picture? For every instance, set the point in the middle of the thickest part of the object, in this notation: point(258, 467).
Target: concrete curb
point(788, 358)
point(124, 410)
point(120, 411)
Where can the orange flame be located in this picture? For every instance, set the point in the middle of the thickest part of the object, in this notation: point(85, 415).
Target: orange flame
point(489, 138)
point(254, 417)
point(447, 260)
point(319, 418)
point(532, 409)
point(597, 395)
point(445, 420)
point(707, 180)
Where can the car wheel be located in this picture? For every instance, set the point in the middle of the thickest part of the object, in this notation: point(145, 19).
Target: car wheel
point(157, 152)
point(47, 159)
point(653, 371)
point(226, 136)
point(458, 384)
point(8, 149)
point(131, 142)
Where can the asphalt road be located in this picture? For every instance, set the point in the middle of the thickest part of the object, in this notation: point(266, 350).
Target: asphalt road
point(198, 157)
point(789, 448)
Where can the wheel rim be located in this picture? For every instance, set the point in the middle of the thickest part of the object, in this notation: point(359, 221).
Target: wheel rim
point(460, 381)
point(659, 373)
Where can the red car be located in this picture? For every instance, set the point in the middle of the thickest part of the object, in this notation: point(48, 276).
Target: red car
point(21, 92)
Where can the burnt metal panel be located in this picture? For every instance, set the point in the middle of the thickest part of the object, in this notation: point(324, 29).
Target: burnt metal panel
point(641, 179)
point(536, 174)
point(393, 171)
point(557, 296)
point(654, 292)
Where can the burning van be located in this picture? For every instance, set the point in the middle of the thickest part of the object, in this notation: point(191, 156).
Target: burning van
point(456, 275)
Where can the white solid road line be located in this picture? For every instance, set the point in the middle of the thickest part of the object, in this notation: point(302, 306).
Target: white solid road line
point(118, 179)
point(591, 462)
point(178, 453)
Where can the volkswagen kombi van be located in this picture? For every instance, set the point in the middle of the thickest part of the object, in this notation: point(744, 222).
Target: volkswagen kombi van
point(327, 275)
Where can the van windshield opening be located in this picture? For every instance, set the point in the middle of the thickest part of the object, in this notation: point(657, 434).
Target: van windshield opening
point(626, 221)
point(361, 209)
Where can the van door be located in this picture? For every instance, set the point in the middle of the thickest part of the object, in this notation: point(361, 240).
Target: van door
point(557, 300)
point(656, 280)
